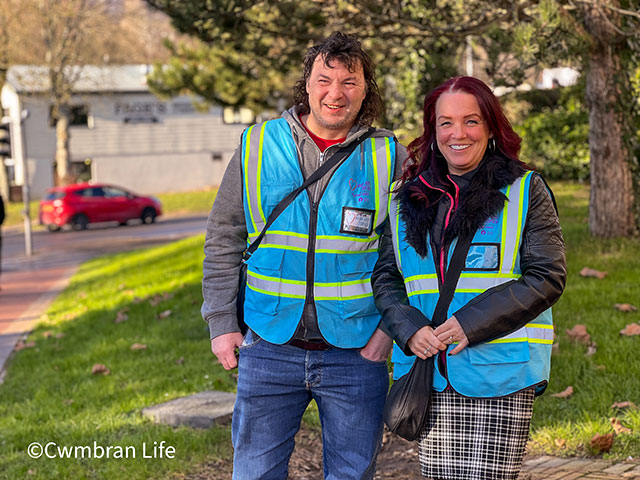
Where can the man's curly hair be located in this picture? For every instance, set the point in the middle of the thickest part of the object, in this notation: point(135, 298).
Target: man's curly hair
point(347, 50)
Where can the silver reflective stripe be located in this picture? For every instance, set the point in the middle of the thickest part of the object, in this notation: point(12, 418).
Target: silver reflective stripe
point(475, 282)
point(252, 165)
point(421, 284)
point(382, 174)
point(531, 332)
point(512, 224)
point(297, 288)
point(394, 221)
point(324, 243)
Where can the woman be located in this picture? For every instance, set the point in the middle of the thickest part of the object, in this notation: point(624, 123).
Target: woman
point(464, 181)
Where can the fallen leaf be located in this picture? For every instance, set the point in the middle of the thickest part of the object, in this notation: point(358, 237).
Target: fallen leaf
point(21, 345)
point(137, 300)
point(31, 472)
point(560, 442)
point(128, 291)
point(100, 369)
point(618, 427)
point(138, 346)
point(47, 334)
point(602, 443)
point(623, 405)
point(180, 361)
point(590, 272)
point(121, 317)
point(567, 392)
point(591, 349)
point(164, 314)
point(59, 335)
point(69, 401)
point(625, 307)
point(579, 334)
point(601, 367)
point(631, 329)
point(157, 299)
point(82, 295)
point(122, 286)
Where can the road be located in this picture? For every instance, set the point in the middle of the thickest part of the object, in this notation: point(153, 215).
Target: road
point(71, 247)
point(29, 284)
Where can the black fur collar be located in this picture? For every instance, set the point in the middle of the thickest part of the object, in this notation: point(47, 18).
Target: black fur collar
point(481, 200)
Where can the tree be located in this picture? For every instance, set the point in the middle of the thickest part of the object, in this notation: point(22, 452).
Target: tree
point(250, 50)
point(65, 36)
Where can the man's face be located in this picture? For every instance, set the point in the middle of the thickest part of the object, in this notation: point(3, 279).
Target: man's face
point(335, 98)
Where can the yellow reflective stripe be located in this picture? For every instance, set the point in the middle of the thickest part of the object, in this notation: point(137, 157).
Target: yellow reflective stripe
point(520, 215)
point(420, 277)
point(542, 341)
point(387, 147)
point(539, 325)
point(247, 140)
point(505, 217)
point(264, 221)
point(510, 340)
point(422, 292)
point(376, 181)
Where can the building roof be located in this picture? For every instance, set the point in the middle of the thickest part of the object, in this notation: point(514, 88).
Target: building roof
point(88, 79)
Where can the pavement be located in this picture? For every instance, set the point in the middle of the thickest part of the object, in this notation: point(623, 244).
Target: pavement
point(30, 284)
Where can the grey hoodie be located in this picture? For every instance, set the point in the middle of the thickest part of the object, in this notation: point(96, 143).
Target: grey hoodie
point(227, 232)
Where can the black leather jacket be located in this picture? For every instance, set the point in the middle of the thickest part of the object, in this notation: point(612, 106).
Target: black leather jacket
point(500, 310)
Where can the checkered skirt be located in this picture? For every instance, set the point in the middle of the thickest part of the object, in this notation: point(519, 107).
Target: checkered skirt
point(475, 438)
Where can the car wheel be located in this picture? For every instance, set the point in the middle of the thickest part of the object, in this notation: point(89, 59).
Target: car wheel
point(53, 228)
point(123, 224)
point(149, 215)
point(79, 222)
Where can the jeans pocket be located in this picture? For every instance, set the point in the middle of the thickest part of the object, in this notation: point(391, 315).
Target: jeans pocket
point(250, 339)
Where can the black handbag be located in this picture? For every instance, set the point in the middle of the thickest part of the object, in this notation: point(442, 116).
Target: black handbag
point(406, 409)
point(334, 160)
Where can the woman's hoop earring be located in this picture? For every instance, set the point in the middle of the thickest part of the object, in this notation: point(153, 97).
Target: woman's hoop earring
point(492, 145)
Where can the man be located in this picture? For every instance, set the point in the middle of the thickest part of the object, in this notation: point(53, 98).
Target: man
point(309, 308)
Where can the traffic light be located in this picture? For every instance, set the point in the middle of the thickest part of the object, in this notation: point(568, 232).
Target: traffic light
point(5, 140)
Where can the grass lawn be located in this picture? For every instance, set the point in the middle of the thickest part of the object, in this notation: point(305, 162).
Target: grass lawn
point(199, 201)
point(565, 426)
point(50, 395)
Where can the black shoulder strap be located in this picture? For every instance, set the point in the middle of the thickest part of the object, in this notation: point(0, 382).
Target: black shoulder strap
point(451, 280)
point(335, 159)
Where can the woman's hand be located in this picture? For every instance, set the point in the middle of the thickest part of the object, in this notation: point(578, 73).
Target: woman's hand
point(425, 344)
point(450, 332)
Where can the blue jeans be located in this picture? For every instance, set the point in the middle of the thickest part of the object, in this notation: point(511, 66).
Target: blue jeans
point(276, 384)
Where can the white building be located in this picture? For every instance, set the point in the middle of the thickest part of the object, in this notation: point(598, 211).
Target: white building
point(120, 132)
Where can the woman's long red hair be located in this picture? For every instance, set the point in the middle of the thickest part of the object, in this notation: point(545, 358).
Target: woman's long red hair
point(423, 151)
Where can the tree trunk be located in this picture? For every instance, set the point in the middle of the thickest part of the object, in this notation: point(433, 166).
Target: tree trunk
point(611, 203)
point(62, 147)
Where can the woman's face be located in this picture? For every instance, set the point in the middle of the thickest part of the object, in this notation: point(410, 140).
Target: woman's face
point(461, 132)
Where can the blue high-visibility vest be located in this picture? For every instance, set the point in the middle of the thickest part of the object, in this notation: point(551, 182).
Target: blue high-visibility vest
point(501, 366)
point(325, 250)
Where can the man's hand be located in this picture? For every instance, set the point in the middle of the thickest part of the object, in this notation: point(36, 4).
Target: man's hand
point(450, 332)
point(424, 343)
point(378, 347)
point(224, 347)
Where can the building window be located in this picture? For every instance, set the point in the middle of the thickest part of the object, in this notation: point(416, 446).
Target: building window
point(237, 115)
point(78, 116)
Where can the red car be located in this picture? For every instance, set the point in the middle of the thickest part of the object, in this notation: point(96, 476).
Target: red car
point(84, 203)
